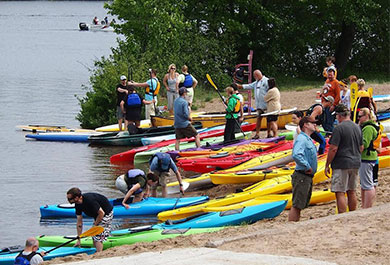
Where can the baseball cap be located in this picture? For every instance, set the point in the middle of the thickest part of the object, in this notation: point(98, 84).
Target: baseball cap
point(182, 90)
point(123, 77)
point(329, 99)
point(341, 108)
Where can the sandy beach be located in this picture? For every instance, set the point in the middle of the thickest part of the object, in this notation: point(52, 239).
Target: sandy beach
point(359, 237)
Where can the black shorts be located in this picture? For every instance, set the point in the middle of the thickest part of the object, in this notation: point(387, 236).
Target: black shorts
point(272, 118)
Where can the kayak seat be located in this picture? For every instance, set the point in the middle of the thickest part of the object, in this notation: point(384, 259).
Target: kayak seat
point(231, 212)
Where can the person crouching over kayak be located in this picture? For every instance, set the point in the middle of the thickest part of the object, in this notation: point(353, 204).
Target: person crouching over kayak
point(134, 182)
point(160, 164)
point(94, 205)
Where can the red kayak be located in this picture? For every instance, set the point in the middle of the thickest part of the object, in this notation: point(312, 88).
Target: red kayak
point(127, 157)
point(225, 160)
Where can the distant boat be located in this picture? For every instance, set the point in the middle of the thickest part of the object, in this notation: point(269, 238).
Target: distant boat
point(100, 27)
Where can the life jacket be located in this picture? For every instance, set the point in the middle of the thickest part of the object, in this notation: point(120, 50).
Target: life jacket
point(319, 118)
point(24, 259)
point(237, 107)
point(164, 161)
point(364, 101)
point(133, 100)
point(132, 174)
point(188, 81)
point(375, 143)
point(153, 91)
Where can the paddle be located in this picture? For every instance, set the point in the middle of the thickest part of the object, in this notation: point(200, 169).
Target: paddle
point(216, 88)
point(93, 231)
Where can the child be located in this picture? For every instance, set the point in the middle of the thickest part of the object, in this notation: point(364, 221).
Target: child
point(330, 60)
point(345, 97)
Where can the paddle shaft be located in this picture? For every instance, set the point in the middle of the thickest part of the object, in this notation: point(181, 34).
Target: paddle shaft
point(219, 93)
point(174, 206)
point(63, 244)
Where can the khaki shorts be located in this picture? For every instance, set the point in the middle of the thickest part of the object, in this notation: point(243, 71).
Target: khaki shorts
point(190, 95)
point(150, 110)
point(162, 179)
point(301, 188)
point(344, 180)
point(186, 132)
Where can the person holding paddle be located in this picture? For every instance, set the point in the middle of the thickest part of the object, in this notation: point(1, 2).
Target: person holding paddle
point(94, 205)
point(233, 108)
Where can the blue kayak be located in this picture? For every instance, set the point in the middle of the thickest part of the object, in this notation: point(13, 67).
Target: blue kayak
point(148, 206)
point(8, 255)
point(78, 137)
point(245, 215)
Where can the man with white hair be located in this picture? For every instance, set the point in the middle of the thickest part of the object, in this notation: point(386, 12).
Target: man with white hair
point(29, 255)
point(260, 86)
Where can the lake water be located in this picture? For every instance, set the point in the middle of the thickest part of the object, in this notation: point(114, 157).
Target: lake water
point(44, 63)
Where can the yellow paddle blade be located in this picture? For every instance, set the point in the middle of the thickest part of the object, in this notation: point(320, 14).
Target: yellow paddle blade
point(93, 231)
point(211, 81)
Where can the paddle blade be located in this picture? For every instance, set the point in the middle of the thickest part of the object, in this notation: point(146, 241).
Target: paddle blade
point(211, 81)
point(93, 231)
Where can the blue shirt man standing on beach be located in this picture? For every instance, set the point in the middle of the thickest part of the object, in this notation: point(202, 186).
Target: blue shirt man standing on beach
point(305, 157)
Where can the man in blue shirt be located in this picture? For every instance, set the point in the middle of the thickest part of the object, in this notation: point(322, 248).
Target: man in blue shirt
point(183, 126)
point(260, 87)
point(305, 156)
point(160, 164)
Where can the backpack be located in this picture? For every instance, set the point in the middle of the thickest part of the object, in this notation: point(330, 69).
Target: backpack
point(24, 259)
point(153, 91)
point(133, 100)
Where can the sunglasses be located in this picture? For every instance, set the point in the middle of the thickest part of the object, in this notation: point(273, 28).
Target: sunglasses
point(71, 200)
point(173, 68)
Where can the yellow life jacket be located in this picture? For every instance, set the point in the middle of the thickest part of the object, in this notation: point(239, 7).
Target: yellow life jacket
point(155, 90)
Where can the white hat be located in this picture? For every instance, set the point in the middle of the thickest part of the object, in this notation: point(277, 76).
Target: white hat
point(123, 77)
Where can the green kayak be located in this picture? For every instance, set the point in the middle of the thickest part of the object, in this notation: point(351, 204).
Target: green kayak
point(127, 239)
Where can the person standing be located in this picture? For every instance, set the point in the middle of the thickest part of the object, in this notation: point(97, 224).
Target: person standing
point(345, 94)
point(121, 93)
point(131, 106)
point(233, 107)
point(29, 255)
point(152, 87)
point(260, 87)
point(170, 82)
point(96, 206)
point(183, 126)
point(272, 98)
point(134, 182)
point(345, 147)
point(330, 88)
point(160, 164)
point(188, 81)
point(369, 157)
point(305, 156)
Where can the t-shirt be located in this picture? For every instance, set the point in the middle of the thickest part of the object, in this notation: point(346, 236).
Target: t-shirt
point(120, 95)
point(347, 136)
point(181, 113)
point(92, 202)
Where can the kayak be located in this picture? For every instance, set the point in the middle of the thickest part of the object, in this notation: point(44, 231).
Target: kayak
point(49, 128)
point(265, 187)
point(78, 137)
point(115, 127)
point(148, 206)
point(8, 255)
point(218, 118)
point(378, 98)
point(128, 156)
point(247, 215)
point(280, 154)
point(157, 139)
point(126, 139)
point(193, 183)
point(316, 198)
point(144, 156)
point(125, 237)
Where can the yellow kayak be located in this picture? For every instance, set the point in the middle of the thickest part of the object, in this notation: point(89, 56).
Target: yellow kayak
point(316, 197)
point(49, 128)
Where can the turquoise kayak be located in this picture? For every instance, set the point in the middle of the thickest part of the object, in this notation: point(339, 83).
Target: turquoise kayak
point(8, 255)
point(148, 206)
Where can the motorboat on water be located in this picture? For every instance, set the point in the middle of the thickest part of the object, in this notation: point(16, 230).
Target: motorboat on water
point(99, 27)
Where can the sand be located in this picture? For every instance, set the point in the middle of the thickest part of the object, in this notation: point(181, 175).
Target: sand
point(359, 237)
